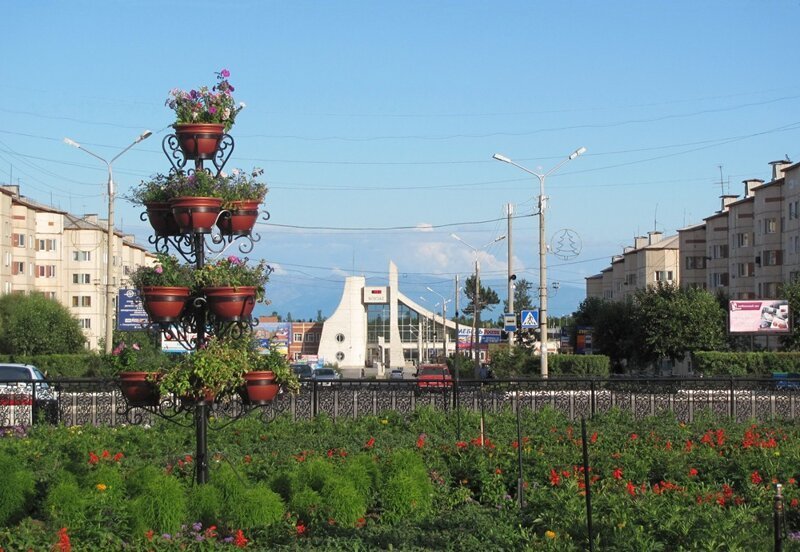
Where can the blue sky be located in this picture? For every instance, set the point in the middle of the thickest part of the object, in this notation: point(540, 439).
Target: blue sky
point(375, 123)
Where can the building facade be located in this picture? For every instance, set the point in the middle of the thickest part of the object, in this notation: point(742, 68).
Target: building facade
point(747, 249)
point(64, 257)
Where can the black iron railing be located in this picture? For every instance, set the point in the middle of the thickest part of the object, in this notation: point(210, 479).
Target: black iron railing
point(99, 401)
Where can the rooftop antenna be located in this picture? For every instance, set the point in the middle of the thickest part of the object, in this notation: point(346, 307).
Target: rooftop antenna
point(655, 219)
point(721, 181)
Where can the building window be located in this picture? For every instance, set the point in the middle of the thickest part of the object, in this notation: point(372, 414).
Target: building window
point(81, 256)
point(85, 323)
point(718, 279)
point(297, 356)
point(772, 257)
point(50, 295)
point(663, 275)
point(81, 301)
point(310, 338)
point(743, 239)
point(45, 245)
point(719, 251)
point(81, 278)
point(770, 225)
point(340, 338)
point(695, 263)
point(298, 337)
point(18, 267)
point(340, 356)
point(745, 270)
point(18, 240)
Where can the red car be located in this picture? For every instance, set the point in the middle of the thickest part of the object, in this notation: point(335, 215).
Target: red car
point(434, 377)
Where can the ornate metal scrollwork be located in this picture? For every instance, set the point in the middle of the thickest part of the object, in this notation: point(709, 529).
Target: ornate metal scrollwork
point(171, 147)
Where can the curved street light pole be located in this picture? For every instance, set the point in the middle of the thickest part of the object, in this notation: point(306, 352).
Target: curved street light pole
point(110, 234)
point(542, 248)
point(444, 317)
point(476, 300)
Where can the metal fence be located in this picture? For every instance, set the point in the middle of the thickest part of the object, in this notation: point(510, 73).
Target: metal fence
point(100, 402)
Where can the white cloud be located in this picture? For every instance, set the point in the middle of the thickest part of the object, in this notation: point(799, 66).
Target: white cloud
point(424, 227)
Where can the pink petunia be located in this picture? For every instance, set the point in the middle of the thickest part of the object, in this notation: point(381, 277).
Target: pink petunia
point(225, 73)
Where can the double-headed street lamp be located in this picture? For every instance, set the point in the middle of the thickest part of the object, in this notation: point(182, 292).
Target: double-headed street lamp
point(476, 298)
point(110, 231)
point(444, 317)
point(542, 248)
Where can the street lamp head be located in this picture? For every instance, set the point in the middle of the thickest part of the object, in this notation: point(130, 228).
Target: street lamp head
point(501, 157)
point(580, 151)
point(144, 135)
point(429, 289)
point(72, 143)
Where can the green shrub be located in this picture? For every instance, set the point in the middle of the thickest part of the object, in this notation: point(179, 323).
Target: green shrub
point(342, 502)
point(16, 489)
point(405, 496)
point(579, 365)
point(257, 507)
point(306, 502)
point(66, 502)
point(205, 504)
point(363, 472)
point(315, 472)
point(161, 506)
point(712, 363)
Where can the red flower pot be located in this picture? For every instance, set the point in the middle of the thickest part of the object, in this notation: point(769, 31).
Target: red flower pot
point(139, 388)
point(164, 304)
point(260, 387)
point(240, 218)
point(159, 213)
point(199, 140)
point(231, 304)
point(195, 214)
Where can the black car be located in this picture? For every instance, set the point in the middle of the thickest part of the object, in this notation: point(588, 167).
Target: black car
point(303, 371)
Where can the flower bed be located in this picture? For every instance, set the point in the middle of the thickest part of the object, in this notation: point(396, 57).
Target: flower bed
point(409, 483)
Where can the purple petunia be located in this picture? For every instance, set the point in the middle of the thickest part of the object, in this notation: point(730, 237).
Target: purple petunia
point(225, 73)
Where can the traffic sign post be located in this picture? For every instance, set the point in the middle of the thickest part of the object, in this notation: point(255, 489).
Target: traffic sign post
point(529, 319)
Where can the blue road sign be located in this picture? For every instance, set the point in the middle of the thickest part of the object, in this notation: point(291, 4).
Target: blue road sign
point(529, 319)
point(510, 321)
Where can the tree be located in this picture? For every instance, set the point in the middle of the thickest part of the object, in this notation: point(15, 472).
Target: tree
point(791, 291)
point(35, 325)
point(522, 296)
point(674, 321)
point(487, 297)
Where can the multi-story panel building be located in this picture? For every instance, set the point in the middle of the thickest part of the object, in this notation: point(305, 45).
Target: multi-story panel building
point(791, 230)
point(768, 246)
point(742, 244)
point(692, 247)
point(63, 256)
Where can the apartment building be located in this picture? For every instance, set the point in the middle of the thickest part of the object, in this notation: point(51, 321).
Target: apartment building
point(64, 257)
point(746, 250)
point(305, 340)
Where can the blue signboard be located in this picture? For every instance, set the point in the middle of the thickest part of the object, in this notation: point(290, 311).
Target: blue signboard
point(510, 321)
point(529, 319)
point(130, 312)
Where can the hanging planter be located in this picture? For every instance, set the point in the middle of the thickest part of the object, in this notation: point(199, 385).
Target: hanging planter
point(195, 214)
point(231, 304)
point(199, 140)
point(240, 218)
point(260, 387)
point(164, 304)
point(139, 388)
point(159, 213)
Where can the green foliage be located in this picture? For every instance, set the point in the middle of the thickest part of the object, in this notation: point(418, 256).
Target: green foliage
point(306, 502)
point(167, 271)
point(275, 361)
point(342, 503)
point(578, 365)
point(791, 292)
point(161, 506)
point(406, 491)
point(16, 490)
point(522, 362)
point(214, 369)
point(66, 502)
point(711, 363)
point(35, 325)
point(255, 506)
point(73, 365)
point(205, 504)
point(487, 297)
point(234, 272)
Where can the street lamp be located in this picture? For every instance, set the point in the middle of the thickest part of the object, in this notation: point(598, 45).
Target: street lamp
point(444, 317)
point(542, 247)
point(476, 299)
point(110, 232)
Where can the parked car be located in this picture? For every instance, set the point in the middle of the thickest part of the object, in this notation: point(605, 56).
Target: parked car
point(396, 373)
point(433, 377)
point(325, 375)
point(303, 371)
point(23, 393)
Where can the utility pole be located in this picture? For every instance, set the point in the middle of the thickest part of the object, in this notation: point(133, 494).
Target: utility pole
point(511, 277)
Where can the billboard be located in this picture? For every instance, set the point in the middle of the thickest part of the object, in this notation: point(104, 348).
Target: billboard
point(485, 336)
point(130, 312)
point(770, 316)
point(274, 334)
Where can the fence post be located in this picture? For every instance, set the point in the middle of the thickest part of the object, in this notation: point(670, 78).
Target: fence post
point(592, 397)
point(732, 404)
point(313, 398)
point(587, 483)
point(777, 518)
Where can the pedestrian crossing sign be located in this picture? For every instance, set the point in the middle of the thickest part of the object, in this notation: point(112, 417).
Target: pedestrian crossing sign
point(529, 319)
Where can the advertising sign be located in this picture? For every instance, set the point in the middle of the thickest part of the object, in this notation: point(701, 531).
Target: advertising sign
point(130, 312)
point(485, 336)
point(375, 295)
point(274, 334)
point(584, 341)
point(767, 317)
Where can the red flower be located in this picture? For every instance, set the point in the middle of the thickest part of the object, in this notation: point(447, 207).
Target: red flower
point(593, 438)
point(755, 477)
point(421, 440)
point(330, 453)
point(634, 436)
point(371, 443)
point(342, 453)
point(300, 528)
point(239, 540)
point(462, 445)
point(106, 454)
point(498, 471)
point(117, 457)
point(794, 503)
point(93, 458)
point(721, 500)
point(360, 522)
point(188, 458)
point(668, 446)
point(692, 472)
point(63, 544)
point(247, 459)
point(149, 535)
point(631, 488)
point(555, 479)
point(618, 473)
point(688, 446)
